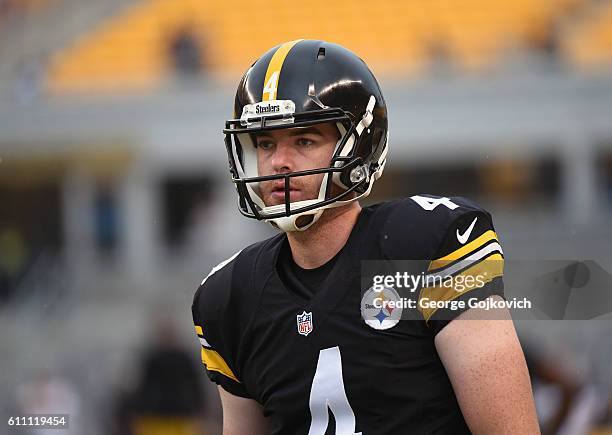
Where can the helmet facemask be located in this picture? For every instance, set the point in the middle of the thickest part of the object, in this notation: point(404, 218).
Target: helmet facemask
point(346, 170)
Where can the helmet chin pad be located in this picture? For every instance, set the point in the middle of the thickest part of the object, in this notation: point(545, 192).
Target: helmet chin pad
point(297, 222)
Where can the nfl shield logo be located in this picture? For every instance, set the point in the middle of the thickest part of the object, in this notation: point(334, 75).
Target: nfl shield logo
point(304, 323)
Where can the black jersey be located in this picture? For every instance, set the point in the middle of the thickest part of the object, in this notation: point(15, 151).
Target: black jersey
point(315, 365)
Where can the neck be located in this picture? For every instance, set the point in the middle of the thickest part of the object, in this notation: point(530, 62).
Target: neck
point(321, 242)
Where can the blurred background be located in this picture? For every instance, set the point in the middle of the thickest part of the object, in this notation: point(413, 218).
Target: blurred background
point(115, 198)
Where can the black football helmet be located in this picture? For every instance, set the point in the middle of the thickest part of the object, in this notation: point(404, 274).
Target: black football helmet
point(297, 84)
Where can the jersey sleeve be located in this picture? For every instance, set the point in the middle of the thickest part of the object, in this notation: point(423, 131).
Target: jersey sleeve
point(468, 267)
point(215, 340)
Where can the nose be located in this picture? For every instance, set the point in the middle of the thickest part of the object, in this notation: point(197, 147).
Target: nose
point(282, 158)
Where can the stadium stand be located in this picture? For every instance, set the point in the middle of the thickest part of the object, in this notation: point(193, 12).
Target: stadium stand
point(10, 7)
point(130, 50)
point(588, 44)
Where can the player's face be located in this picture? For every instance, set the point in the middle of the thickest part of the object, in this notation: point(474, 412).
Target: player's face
point(292, 150)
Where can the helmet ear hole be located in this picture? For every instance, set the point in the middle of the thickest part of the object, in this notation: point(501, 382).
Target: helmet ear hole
point(321, 54)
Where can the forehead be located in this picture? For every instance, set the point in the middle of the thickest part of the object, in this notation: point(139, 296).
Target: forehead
point(325, 130)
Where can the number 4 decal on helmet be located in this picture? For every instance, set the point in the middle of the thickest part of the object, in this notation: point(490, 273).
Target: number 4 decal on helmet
point(430, 204)
point(327, 392)
point(270, 87)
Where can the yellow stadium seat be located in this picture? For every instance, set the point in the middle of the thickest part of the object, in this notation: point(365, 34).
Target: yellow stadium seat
point(394, 38)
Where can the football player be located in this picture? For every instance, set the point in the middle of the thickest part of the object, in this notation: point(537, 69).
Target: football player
point(286, 327)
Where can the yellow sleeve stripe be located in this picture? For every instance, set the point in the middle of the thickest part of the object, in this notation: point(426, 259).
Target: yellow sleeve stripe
point(215, 362)
point(198, 330)
point(274, 69)
point(461, 252)
point(488, 269)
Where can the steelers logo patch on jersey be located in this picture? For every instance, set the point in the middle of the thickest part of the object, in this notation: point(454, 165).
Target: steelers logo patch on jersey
point(381, 309)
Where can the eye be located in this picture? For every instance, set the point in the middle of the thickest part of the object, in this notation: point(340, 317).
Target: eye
point(265, 144)
point(303, 141)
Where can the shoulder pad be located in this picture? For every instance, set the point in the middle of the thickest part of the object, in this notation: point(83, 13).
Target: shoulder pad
point(416, 227)
point(221, 309)
point(230, 284)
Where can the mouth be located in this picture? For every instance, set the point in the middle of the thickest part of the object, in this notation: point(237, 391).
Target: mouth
point(278, 192)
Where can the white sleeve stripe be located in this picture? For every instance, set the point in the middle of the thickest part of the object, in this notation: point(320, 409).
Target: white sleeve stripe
point(203, 342)
point(220, 266)
point(468, 261)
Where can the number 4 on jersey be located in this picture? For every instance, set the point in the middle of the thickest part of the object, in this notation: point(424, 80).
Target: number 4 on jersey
point(430, 204)
point(327, 392)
